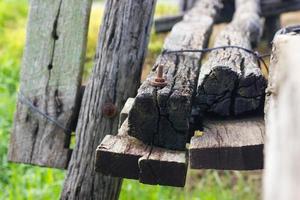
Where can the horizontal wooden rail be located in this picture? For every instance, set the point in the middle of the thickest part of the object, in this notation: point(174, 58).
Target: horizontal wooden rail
point(269, 8)
point(234, 144)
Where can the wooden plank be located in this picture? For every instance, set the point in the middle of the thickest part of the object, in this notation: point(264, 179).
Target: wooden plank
point(118, 155)
point(50, 80)
point(282, 114)
point(278, 7)
point(127, 157)
point(269, 9)
point(234, 144)
point(166, 23)
point(121, 50)
point(160, 115)
point(163, 167)
point(231, 81)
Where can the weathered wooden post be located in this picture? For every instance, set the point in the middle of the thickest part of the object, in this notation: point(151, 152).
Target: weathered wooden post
point(282, 149)
point(50, 82)
point(120, 54)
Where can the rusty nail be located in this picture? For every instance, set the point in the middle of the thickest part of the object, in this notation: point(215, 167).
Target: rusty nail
point(109, 110)
point(159, 81)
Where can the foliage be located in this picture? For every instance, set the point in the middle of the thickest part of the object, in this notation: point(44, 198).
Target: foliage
point(19, 181)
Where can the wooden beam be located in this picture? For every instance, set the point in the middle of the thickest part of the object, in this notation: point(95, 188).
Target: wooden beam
point(160, 116)
point(234, 144)
point(121, 50)
point(163, 167)
point(231, 81)
point(166, 23)
point(118, 155)
point(127, 157)
point(50, 81)
point(277, 7)
point(282, 114)
point(269, 9)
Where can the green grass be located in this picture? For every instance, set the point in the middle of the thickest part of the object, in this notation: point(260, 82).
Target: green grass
point(22, 182)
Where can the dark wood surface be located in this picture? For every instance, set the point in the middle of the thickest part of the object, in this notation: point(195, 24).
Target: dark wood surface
point(235, 144)
point(231, 81)
point(122, 46)
point(269, 8)
point(160, 116)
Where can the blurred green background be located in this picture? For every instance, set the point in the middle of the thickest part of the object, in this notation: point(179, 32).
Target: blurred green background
point(19, 181)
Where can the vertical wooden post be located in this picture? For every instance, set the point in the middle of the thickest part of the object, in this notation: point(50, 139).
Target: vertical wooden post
point(120, 54)
point(282, 149)
point(50, 82)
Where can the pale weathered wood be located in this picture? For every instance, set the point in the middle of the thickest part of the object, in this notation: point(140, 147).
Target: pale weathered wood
point(50, 79)
point(231, 82)
point(125, 111)
point(282, 114)
point(120, 54)
point(160, 116)
point(127, 157)
point(118, 155)
point(234, 144)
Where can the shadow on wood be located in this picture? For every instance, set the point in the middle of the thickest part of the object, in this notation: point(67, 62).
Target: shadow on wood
point(235, 144)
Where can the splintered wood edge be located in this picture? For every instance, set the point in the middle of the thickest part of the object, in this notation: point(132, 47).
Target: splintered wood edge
point(229, 145)
point(125, 111)
point(127, 157)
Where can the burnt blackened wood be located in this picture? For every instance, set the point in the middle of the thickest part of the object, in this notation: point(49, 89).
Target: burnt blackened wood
point(235, 144)
point(231, 81)
point(160, 116)
point(122, 45)
point(50, 80)
point(282, 114)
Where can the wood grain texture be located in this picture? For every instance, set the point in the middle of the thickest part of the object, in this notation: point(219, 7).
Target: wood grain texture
point(50, 79)
point(127, 157)
point(235, 144)
point(163, 167)
point(160, 116)
point(125, 111)
point(231, 82)
point(122, 46)
point(282, 115)
point(118, 155)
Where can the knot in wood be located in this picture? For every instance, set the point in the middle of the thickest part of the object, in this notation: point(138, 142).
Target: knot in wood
point(109, 110)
